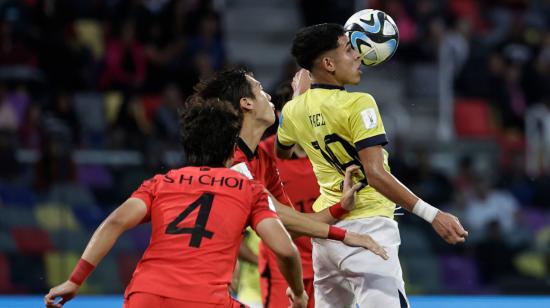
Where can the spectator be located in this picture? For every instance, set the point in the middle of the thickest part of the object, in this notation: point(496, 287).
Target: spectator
point(166, 116)
point(125, 62)
point(488, 206)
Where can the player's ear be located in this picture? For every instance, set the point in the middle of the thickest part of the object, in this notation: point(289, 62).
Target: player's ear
point(246, 103)
point(327, 63)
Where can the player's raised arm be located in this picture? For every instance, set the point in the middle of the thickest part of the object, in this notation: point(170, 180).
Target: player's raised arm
point(446, 225)
point(301, 82)
point(125, 217)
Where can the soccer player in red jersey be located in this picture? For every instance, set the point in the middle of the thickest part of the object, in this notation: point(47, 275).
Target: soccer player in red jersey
point(301, 187)
point(241, 89)
point(198, 214)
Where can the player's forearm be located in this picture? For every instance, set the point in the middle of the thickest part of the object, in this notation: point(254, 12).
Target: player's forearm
point(291, 268)
point(322, 216)
point(300, 224)
point(386, 184)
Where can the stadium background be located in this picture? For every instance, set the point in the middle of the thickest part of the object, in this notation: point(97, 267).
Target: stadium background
point(88, 98)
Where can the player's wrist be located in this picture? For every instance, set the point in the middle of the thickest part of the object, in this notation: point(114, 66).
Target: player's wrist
point(82, 270)
point(337, 211)
point(337, 234)
point(425, 211)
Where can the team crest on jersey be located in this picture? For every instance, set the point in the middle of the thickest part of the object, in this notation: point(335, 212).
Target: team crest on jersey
point(370, 120)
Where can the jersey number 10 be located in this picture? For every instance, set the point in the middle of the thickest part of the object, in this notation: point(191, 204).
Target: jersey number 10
point(332, 159)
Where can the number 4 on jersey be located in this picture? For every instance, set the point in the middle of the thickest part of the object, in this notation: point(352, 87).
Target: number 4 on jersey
point(204, 202)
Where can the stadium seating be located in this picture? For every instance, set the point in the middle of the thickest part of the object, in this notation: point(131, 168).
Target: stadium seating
point(459, 274)
point(55, 216)
point(17, 216)
point(7, 245)
point(473, 118)
point(94, 176)
point(17, 195)
point(31, 241)
point(5, 275)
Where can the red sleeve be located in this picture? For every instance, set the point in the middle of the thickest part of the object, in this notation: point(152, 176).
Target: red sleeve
point(260, 205)
point(146, 194)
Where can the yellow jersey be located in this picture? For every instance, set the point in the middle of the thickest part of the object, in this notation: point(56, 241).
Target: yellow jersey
point(332, 126)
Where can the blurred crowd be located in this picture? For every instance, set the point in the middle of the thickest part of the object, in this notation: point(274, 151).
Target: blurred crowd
point(110, 75)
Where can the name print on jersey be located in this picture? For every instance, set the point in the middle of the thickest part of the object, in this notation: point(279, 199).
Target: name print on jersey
point(205, 179)
point(316, 120)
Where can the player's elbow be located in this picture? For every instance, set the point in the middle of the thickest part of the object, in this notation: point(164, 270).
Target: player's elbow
point(375, 176)
point(115, 222)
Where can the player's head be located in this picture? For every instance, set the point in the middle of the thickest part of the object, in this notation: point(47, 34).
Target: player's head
point(325, 51)
point(208, 131)
point(241, 89)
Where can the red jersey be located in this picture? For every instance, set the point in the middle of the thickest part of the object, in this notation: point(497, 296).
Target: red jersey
point(198, 216)
point(263, 167)
point(301, 186)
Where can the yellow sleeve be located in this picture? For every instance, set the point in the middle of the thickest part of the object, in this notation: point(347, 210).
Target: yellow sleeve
point(365, 122)
point(285, 132)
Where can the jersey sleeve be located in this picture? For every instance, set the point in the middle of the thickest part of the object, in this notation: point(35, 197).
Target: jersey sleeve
point(261, 208)
point(366, 125)
point(145, 192)
point(285, 132)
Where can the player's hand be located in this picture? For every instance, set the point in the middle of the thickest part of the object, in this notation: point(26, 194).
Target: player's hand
point(349, 189)
point(66, 291)
point(449, 228)
point(301, 82)
point(366, 241)
point(297, 301)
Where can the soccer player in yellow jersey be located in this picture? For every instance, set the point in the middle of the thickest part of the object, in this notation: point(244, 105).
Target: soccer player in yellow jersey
point(337, 129)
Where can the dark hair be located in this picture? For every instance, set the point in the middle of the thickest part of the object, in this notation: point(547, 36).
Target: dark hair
point(311, 42)
point(208, 131)
point(230, 85)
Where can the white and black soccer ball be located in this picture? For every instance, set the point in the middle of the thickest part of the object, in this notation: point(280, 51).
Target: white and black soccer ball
point(374, 34)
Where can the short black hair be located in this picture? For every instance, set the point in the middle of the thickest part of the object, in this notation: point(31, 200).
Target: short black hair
point(229, 85)
point(310, 42)
point(208, 131)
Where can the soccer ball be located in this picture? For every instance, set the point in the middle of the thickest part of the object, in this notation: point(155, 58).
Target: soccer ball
point(374, 35)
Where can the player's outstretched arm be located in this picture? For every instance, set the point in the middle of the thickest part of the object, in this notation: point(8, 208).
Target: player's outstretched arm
point(300, 224)
point(274, 235)
point(126, 216)
point(446, 225)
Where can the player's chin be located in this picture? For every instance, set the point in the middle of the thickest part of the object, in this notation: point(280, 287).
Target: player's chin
point(356, 79)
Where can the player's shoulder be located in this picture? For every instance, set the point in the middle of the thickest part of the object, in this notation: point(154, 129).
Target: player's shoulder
point(355, 98)
point(266, 149)
point(294, 103)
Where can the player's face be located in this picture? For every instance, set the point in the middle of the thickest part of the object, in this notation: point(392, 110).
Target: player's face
point(264, 109)
point(347, 62)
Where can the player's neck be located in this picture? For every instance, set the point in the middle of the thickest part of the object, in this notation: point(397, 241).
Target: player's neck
point(325, 78)
point(251, 133)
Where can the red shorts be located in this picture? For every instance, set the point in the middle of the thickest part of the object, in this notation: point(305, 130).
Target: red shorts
point(146, 300)
point(274, 291)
